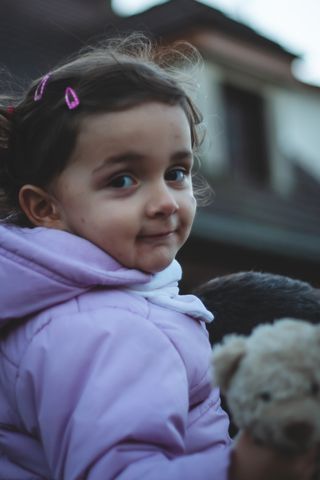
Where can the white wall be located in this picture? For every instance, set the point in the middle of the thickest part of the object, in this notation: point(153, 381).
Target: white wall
point(295, 117)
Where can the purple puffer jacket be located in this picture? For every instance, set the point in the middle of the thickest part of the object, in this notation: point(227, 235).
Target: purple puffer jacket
point(96, 381)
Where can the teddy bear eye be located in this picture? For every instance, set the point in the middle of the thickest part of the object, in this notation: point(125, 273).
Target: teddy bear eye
point(265, 396)
point(314, 388)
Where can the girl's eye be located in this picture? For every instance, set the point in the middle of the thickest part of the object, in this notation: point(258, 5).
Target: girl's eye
point(176, 175)
point(122, 181)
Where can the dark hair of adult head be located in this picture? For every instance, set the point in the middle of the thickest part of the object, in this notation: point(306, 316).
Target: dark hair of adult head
point(37, 139)
point(243, 300)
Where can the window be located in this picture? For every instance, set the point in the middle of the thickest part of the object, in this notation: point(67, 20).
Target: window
point(245, 135)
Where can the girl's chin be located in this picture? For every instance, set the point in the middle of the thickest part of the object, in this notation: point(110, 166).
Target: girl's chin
point(155, 267)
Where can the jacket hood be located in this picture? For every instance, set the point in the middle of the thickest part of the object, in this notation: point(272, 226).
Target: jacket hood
point(40, 267)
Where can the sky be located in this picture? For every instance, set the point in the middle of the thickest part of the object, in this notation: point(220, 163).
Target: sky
point(295, 24)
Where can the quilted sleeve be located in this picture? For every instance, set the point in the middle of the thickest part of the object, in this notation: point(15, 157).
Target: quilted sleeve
point(108, 397)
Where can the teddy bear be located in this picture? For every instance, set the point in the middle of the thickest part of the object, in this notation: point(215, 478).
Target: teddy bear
point(271, 382)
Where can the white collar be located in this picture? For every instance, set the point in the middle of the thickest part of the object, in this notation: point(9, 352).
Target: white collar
point(163, 290)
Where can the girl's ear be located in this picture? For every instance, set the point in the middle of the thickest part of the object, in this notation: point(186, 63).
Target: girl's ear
point(39, 207)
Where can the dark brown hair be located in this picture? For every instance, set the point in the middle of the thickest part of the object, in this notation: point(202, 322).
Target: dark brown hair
point(37, 138)
point(242, 301)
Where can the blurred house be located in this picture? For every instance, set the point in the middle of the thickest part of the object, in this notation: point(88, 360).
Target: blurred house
point(262, 153)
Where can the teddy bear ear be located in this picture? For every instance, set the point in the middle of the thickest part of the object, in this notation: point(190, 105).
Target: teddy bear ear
point(226, 358)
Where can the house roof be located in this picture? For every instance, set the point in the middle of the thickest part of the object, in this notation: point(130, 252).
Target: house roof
point(35, 35)
point(175, 16)
point(61, 18)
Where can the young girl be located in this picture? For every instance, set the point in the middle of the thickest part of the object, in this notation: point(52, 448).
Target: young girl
point(104, 366)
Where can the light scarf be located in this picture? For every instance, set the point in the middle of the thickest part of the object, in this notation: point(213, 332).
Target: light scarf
point(163, 290)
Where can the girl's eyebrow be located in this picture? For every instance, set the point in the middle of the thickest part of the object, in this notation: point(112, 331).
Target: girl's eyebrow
point(182, 155)
point(124, 157)
point(128, 157)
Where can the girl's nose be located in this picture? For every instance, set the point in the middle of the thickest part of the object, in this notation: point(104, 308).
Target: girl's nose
point(161, 201)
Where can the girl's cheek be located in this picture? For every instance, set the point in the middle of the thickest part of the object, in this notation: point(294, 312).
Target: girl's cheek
point(191, 208)
point(193, 203)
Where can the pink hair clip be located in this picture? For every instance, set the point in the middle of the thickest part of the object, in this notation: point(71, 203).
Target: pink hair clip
point(40, 88)
point(71, 98)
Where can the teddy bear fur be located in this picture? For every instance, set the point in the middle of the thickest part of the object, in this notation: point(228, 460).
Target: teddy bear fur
point(271, 381)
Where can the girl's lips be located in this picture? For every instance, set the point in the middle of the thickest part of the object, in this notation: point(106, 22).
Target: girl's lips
point(155, 236)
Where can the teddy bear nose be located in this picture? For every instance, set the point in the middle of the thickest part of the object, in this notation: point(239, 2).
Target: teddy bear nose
point(299, 432)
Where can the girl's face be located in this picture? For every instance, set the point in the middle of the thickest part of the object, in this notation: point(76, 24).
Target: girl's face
point(127, 187)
